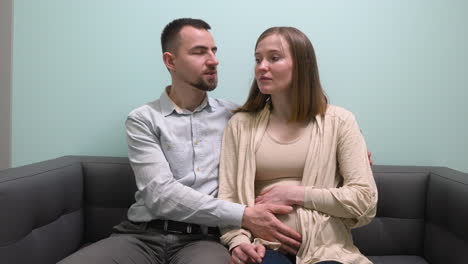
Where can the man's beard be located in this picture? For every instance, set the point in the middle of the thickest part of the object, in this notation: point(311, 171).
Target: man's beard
point(205, 85)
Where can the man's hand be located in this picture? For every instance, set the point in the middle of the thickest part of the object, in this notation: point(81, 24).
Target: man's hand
point(247, 253)
point(282, 195)
point(369, 155)
point(262, 222)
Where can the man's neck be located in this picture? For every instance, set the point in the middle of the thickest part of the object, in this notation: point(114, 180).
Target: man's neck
point(186, 97)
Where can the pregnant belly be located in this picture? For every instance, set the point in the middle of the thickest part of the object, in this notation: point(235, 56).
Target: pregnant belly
point(291, 218)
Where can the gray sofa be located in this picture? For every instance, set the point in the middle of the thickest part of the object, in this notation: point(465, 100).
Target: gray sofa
point(51, 209)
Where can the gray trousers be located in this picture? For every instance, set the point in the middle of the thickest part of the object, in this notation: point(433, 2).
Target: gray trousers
point(138, 243)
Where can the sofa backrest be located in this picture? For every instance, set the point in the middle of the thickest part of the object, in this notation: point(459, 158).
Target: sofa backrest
point(446, 234)
point(109, 189)
point(41, 209)
point(398, 228)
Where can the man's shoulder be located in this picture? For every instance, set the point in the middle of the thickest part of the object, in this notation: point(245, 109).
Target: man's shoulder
point(146, 110)
point(231, 106)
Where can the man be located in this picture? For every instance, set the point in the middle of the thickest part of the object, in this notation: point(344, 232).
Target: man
point(174, 145)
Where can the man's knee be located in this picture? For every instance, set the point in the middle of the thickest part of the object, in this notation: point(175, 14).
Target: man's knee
point(202, 252)
point(120, 249)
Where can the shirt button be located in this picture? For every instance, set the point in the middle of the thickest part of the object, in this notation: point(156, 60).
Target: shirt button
point(199, 169)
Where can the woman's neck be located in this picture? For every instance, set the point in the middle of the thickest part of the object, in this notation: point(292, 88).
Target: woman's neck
point(281, 108)
point(279, 126)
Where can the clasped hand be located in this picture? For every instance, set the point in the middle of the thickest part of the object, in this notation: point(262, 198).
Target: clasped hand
point(247, 253)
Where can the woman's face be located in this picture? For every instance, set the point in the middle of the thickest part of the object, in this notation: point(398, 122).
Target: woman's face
point(273, 69)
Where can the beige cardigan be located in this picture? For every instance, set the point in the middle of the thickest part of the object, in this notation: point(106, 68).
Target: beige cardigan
point(341, 193)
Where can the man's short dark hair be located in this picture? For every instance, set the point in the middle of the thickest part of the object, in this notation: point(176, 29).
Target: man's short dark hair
point(170, 33)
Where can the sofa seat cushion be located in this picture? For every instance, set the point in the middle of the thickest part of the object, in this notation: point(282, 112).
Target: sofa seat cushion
point(397, 259)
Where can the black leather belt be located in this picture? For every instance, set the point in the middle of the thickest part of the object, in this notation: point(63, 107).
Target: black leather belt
point(181, 228)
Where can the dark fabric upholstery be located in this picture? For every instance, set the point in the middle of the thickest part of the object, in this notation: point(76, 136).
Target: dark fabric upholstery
point(390, 236)
point(398, 259)
point(41, 210)
point(446, 239)
point(398, 228)
point(109, 192)
point(51, 209)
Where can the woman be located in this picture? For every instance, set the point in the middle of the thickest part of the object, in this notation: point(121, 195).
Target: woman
point(286, 145)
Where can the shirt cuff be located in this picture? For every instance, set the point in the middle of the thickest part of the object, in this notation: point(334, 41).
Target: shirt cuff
point(231, 214)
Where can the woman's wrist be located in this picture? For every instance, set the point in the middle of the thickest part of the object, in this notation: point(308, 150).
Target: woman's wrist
point(298, 195)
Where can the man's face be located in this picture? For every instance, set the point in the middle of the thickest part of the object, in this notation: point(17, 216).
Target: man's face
point(195, 59)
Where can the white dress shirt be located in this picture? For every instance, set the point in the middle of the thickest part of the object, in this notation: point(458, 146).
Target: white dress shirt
point(174, 154)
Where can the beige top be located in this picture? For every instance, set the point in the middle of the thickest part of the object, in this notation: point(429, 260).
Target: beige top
point(275, 159)
point(340, 193)
point(281, 163)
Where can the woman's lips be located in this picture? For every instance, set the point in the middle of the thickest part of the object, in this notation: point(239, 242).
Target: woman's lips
point(262, 79)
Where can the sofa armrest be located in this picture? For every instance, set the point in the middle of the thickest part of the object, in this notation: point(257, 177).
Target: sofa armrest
point(41, 220)
point(446, 231)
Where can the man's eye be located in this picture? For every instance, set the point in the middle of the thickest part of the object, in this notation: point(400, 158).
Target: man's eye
point(257, 60)
point(198, 52)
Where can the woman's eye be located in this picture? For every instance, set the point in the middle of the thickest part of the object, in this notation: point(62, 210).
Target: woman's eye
point(275, 58)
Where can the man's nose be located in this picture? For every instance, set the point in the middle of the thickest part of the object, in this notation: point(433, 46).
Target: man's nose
point(212, 60)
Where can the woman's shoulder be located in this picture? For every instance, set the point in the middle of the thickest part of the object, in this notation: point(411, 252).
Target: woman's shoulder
point(242, 117)
point(242, 121)
point(338, 112)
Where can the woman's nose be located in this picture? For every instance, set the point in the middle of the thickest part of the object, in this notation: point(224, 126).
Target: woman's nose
point(262, 65)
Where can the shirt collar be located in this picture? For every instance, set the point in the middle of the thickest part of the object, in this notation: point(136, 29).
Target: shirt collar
point(168, 106)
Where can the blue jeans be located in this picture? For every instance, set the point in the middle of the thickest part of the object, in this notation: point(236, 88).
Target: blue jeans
point(276, 257)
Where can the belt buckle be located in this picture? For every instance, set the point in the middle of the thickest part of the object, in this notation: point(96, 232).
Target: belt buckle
point(166, 228)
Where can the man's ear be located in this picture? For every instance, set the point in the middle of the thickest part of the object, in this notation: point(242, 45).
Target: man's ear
point(168, 59)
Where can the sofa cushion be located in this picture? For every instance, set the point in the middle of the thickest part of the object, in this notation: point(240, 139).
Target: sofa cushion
point(398, 228)
point(109, 191)
point(446, 239)
point(397, 260)
point(41, 209)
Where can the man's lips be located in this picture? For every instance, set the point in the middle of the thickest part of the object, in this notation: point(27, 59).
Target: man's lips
point(210, 74)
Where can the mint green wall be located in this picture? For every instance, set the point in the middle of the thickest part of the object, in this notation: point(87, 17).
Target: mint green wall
point(401, 66)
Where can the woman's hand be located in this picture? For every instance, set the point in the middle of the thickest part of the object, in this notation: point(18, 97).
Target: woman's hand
point(282, 195)
point(247, 253)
